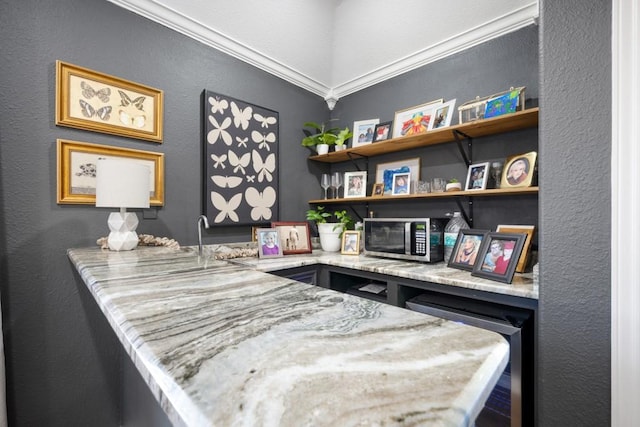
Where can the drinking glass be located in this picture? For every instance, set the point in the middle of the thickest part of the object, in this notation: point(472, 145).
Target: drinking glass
point(325, 182)
point(336, 182)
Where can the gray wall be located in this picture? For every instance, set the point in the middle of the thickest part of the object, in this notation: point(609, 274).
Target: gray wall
point(575, 142)
point(63, 362)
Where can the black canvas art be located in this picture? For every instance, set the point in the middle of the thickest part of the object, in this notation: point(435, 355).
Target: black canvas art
point(241, 161)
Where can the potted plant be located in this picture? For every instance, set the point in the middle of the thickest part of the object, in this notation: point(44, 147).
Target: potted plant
point(453, 185)
point(330, 232)
point(323, 136)
point(341, 140)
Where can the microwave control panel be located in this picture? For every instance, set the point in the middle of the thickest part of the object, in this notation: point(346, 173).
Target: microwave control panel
point(419, 243)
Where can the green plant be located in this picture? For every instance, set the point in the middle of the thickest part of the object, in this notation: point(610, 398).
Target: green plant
point(320, 216)
point(452, 180)
point(323, 135)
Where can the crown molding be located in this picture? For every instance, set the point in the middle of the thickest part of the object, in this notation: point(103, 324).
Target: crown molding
point(520, 18)
point(177, 21)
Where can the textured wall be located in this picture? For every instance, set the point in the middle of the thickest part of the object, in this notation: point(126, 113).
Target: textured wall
point(575, 143)
point(62, 358)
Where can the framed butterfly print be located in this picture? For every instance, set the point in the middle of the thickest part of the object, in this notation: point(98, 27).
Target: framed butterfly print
point(89, 100)
point(77, 170)
point(240, 154)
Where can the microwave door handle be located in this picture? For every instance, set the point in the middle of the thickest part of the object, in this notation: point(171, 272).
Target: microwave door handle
point(407, 238)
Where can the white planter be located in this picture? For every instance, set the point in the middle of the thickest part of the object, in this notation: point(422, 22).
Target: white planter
point(453, 186)
point(341, 147)
point(322, 148)
point(330, 238)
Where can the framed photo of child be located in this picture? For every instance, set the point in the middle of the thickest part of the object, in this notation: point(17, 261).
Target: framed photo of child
point(477, 177)
point(269, 243)
point(465, 251)
point(498, 256)
point(294, 237)
point(350, 243)
point(401, 184)
point(355, 184)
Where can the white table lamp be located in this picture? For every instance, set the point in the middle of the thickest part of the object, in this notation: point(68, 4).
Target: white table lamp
point(122, 184)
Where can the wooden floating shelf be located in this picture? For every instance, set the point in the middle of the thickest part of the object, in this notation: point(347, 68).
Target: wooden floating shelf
point(494, 192)
point(479, 128)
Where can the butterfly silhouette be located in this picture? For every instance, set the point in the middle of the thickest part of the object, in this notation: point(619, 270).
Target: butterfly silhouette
point(129, 120)
point(226, 181)
point(262, 139)
point(218, 105)
point(219, 131)
point(241, 117)
point(260, 202)
point(242, 141)
point(265, 121)
point(227, 209)
point(103, 113)
point(265, 168)
point(251, 178)
point(89, 92)
point(125, 101)
point(219, 161)
point(239, 163)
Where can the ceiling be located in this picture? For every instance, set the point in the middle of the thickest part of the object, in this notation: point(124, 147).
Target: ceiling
point(336, 47)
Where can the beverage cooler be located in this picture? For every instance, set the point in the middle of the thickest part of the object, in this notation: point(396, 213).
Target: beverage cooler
point(511, 401)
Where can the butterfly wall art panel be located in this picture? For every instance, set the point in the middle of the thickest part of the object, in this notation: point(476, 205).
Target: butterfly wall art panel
point(89, 100)
point(240, 153)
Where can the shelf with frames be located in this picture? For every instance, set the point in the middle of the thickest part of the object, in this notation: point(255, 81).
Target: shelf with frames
point(507, 123)
point(448, 194)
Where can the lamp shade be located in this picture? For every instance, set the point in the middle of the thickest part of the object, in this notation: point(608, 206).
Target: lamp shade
point(122, 184)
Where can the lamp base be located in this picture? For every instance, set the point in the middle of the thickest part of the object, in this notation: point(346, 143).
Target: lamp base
point(123, 235)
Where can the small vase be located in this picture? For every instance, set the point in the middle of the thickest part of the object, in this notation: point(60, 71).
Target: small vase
point(340, 147)
point(453, 186)
point(322, 148)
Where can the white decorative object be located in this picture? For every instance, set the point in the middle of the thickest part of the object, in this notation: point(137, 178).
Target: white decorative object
point(330, 237)
point(122, 184)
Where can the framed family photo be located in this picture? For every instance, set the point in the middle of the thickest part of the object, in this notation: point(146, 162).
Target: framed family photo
point(477, 177)
point(442, 115)
point(518, 170)
point(350, 243)
point(269, 243)
point(465, 251)
point(382, 131)
point(498, 256)
point(414, 120)
point(89, 100)
point(363, 131)
point(528, 230)
point(294, 237)
point(355, 184)
point(76, 170)
point(385, 171)
point(377, 190)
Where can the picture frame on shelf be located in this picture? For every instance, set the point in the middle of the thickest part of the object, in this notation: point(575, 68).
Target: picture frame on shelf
point(295, 237)
point(382, 132)
point(518, 170)
point(466, 249)
point(442, 115)
point(401, 184)
point(269, 243)
point(355, 184)
point(377, 190)
point(385, 171)
point(477, 177)
point(350, 243)
point(363, 132)
point(506, 102)
point(529, 231)
point(498, 256)
point(98, 102)
point(414, 120)
point(76, 170)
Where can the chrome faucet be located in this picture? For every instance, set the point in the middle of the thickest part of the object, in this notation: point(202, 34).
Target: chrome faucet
point(201, 219)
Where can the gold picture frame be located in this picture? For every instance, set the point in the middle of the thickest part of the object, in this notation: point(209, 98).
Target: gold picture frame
point(76, 170)
point(529, 230)
point(89, 100)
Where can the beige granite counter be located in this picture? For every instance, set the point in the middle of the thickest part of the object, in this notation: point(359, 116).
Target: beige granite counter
point(223, 344)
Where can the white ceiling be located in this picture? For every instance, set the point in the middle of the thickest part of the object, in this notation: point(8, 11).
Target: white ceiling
point(337, 47)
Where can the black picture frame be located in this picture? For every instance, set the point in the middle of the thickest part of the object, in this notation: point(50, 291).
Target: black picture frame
point(382, 131)
point(462, 260)
point(240, 161)
point(500, 271)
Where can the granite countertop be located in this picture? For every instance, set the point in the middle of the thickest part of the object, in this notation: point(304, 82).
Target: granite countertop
point(523, 285)
point(223, 345)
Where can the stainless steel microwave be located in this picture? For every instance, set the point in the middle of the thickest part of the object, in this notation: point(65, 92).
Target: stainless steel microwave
point(417, 239)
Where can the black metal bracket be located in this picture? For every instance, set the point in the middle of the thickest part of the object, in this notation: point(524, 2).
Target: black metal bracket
point(355, 156)
point(459, 136)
